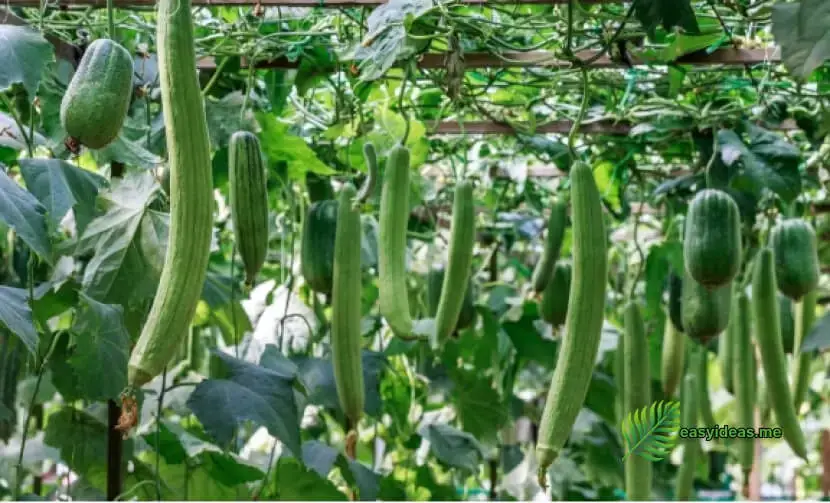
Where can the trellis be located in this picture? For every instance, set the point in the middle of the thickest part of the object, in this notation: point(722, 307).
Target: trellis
point(722, 57)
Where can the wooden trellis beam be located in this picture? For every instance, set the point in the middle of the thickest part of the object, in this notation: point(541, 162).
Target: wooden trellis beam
point(332, 4)
point(727, 56)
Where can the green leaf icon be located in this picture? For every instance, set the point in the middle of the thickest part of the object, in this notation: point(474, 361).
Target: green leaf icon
point(651, 432)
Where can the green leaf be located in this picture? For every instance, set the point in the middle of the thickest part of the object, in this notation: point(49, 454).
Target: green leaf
point(666, 13)
point(280, 145)
point(22, 212)
point(60, 187)
point(153, 238)
point(257, 393)
point(389, 130)
point(386, 40)
point(803, 48)
point(819, 337)
point(650, 432)
point(199, 482)
point(480, 407)
point(128, 152)
point(453, 447)
point(102, 347)
point(295, 482)
point(608, 184)
point(321, 458)
point(316, 64)
point(112, 236)
point(317, 376)
point(24, 54)
point(529, 343)
point(683, 44)
point(224, 118)
point(510, 456)
point(16, 316)
point(677, 74)
point(768, 161)
point(81, 438)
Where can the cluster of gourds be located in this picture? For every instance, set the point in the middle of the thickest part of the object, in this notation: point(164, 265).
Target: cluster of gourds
point(331, 265)
point(705, 304)
point(92, 112)
point(701, 303)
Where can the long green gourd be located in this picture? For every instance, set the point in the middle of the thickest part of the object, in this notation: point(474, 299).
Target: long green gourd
point(768, 335)
point(638, 471)
point(619, 377)
point(346, 334)
point(704, 404)
point(725, 344)
point(684, 483)
point(805, 317)
point(743, 367)
point(673, 356)
point(583, 326)
point(557, 221)
point(553, 306)
point(248, 201)
point(457, 274)
point(394, 215)
point(191, 196)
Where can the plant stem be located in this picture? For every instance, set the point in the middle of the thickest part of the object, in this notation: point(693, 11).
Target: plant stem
point(114, 452)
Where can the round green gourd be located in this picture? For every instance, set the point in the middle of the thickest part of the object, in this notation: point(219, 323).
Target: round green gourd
point(673, 356)
point(435, 282)
point(317, 245)
point(317, 248)
point(796, 257)
point(583, 326)
point(744, 368)
point(768, 336)
point(97, 99)
point(553, 307)
point(394, 215)
point(346, 342)
point(638, 472)
point(248, 202)
point(191, 196)
point(462, 241)
point(557, 222)
point(712, 243)
point(705, 312)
